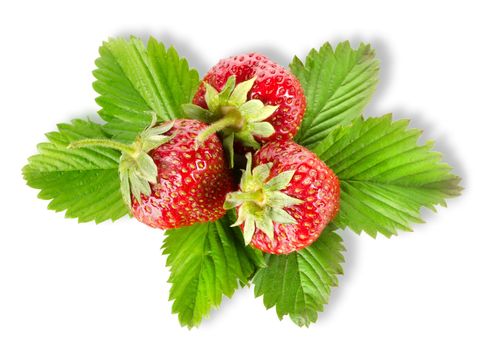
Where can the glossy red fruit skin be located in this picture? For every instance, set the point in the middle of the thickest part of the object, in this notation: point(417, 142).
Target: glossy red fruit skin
point(314, 183)
point(192, 184)
point(274, 85)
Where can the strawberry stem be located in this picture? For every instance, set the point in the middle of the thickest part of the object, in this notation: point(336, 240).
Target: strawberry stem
point(102, 143)
point(233, 119)
point(261, 201)
point(137, 169)
point(257, 197)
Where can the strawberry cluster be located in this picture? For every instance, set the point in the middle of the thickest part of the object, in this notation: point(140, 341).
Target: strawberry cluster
point(178, 173)
point(222, 152)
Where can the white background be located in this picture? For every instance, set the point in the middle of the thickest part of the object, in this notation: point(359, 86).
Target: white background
point(65, 285)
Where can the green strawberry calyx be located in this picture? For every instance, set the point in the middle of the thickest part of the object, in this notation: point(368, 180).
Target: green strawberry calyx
point(136, 168)
point(229, 111)
point(260, 200)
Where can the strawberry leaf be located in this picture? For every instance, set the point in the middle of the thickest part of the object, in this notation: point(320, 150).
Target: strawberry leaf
point(385, 176)
point(84, 182)
point(206, 261)
point(338, 85)
point(133, 81)
point(299, 284)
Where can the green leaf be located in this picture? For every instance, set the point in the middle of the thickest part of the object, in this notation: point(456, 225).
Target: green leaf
point(386, 177)
point(206, 261)
point(299, 284)
point(84, 182)
point(133, 81)
point(338, 85)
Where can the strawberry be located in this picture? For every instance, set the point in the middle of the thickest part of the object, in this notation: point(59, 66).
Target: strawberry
point(192, 184)
point(166, 180)
point(286, 201)
point(267, 104)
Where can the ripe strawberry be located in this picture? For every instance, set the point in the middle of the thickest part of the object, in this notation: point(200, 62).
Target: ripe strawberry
point(192, 184)
point(284, 204)
point(278, 100)
point(166, 181)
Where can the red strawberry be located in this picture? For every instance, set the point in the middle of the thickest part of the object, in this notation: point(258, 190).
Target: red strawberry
point(284, 204)
point(277, 110)
point(192, 184)
point(167, 181)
